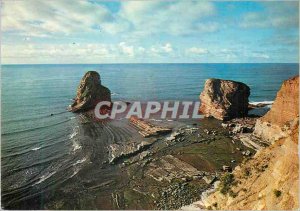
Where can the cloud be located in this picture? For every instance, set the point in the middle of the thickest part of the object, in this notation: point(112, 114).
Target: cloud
point(41, 53)
point(161, 50)
point(126, 50)
point(43, 18)
point(291, 41)
point(170, 17)
point(260, 55)
point(275, 15)
point(197, 51)
point(38, 31)
point(81, 53)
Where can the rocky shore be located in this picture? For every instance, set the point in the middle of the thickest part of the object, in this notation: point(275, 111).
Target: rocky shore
point(171, 164)
point(270, 179)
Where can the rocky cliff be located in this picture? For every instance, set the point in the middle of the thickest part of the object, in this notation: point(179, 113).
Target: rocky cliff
point(90, 92)
point(224, 99)
point(270, 180)
point(278, 122)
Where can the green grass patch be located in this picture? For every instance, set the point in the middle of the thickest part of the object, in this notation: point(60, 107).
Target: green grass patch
point(226, 182)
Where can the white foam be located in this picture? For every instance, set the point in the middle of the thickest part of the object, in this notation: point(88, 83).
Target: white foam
point(76, 146)
point(156, 120)
point(75, 132)
point(79, 161)
point(262, 102)
point(36, 148)
point(44, 177)
point(76, 170)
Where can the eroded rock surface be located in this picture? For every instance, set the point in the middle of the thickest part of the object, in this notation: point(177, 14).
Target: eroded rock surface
point(224, 99)
point(240, 125)
point(146, 129)
point(278, 122)
point(267, 182)
point(90, 92)
point(121, 150)
point(270, 180)
point(170, 167)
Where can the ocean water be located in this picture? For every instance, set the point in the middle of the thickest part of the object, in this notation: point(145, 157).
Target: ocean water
point(40, 151)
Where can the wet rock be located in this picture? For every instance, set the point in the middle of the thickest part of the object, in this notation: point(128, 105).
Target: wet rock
point(197, 177)
point(90, 92)
point(144, 154)
point(224, 99)
point(246, 153)
point(169, 168)
point(122, 150)
point(177, 195)
point(240, 125)
point(210, 179)
point(173, 136)
point(207, 131)
point(251, 141)
point(146, 129)
point(226, 168)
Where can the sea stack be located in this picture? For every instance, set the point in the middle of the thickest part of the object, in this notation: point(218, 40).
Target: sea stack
point(284, 114)
point(90, 92)
point(224, 99)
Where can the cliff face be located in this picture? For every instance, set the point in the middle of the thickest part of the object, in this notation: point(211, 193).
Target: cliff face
point(224, 99)
point(270, 179)
point(90, 92)
point(277, 123)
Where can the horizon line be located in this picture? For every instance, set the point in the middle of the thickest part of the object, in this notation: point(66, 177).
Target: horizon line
point(153, 63)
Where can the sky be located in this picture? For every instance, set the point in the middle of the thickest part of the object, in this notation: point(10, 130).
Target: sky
point(94, 32)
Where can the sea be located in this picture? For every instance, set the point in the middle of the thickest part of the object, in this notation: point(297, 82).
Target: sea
point(40, 147)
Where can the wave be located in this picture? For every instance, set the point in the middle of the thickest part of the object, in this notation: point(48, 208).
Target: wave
point(33, 118)
point(79, 161)
point(44, 177)
point(114, 93)
point(41, 162)
point(156, 120)
point(33, 129)
point(76, 170)
point(28, 145)
point(72, 135)
point(262, 102)
point(36, 148)
point(76, 145)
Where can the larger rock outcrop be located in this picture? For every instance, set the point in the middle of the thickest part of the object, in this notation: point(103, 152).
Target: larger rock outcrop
point(270, 180)
point(279, 121)
point(90, 92)
point(224, 99)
